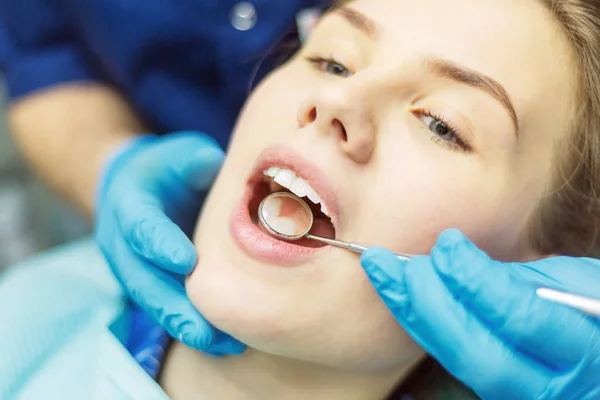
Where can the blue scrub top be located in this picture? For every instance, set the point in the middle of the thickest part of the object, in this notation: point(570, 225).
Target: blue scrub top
point(183, 64)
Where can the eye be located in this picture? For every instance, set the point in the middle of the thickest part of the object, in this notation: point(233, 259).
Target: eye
point(330, 66)
point(438, 127)
point(335, 69)
point(443, 132)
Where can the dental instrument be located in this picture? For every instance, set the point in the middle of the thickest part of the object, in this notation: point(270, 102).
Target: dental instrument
point(584, 304)
point(288, 217)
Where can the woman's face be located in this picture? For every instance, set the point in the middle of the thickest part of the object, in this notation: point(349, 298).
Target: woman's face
point(406, 118)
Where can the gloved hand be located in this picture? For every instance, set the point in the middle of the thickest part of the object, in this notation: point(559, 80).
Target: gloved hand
point(148, 198)
point(482, 320)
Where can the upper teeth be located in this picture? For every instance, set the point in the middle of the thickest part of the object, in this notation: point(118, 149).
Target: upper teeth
point(296, 185)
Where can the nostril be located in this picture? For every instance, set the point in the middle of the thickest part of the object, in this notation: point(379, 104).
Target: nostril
point(312, 115)
point(307, 115)
point(337, 124)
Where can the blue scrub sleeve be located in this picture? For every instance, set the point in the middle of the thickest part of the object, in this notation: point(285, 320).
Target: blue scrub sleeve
point(39, 47)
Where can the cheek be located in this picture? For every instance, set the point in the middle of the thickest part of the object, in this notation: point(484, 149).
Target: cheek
point(432, 191)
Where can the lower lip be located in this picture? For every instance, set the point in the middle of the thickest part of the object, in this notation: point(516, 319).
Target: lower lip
point(259, 244)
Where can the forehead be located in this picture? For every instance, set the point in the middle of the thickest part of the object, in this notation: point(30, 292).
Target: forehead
point(516, 42)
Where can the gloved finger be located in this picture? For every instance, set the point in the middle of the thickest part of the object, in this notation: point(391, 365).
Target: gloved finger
point(509, 304)
point(445, 329)
point(197, 160)
point(165, 300)
point(152, 235)
point(224, 345)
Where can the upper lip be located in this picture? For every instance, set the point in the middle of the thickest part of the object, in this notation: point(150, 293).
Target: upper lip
point(285, 157)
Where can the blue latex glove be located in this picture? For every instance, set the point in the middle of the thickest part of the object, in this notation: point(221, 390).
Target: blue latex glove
point(482, 320)
point(149, 197)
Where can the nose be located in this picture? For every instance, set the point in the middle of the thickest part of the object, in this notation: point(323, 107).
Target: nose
point(338, 110)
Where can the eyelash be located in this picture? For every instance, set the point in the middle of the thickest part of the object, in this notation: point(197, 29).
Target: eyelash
point(318, 61)
point(458, 143)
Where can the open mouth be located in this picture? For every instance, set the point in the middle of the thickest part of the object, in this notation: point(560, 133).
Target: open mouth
point(276, 179)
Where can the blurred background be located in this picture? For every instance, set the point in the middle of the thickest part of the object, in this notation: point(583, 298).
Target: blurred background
point(32, 219)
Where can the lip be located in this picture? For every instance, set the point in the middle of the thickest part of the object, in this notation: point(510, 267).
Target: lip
point(250, 237)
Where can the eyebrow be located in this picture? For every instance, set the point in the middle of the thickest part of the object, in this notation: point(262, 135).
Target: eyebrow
point(461, 74)
point(441, 67)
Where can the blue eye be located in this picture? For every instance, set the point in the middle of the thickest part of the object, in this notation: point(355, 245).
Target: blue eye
point(442, 132)
point(330, 66)
point(438, 127)
point(335, 69)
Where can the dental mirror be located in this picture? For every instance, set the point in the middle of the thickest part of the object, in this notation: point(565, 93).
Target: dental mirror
point(288, 217)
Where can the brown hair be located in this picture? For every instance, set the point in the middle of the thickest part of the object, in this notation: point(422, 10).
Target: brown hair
point(568, 218)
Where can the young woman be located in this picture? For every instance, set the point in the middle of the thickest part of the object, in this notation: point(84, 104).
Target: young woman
point(402, 119)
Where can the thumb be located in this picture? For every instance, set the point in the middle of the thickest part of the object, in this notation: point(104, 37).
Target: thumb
point(198, 159)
